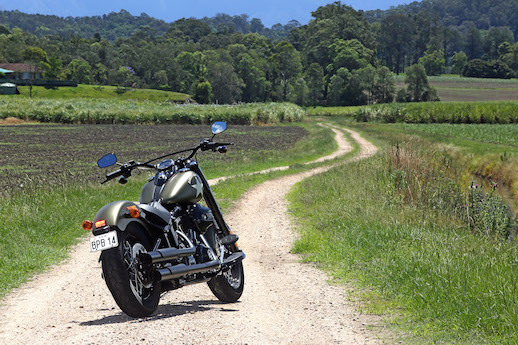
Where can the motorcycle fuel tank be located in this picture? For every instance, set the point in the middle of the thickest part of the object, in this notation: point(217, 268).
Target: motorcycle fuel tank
point(184, 186)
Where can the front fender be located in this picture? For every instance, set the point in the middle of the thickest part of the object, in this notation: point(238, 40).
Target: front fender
point(116, 215)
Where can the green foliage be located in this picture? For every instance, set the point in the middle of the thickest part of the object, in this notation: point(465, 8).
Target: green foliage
point(487, 69)
point(315, 81)
point(459, 60)
point(34, 55)
point(54, 68)
point(433, 61)
point(226, 84)
point(203, 93)
point(78, 70)
point(418, 88)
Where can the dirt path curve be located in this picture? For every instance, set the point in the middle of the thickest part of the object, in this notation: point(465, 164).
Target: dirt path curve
point(285, 302)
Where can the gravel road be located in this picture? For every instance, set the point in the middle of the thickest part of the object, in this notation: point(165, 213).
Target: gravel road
point(284, 302)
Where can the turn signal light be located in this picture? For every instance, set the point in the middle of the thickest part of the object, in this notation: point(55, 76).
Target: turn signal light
point(100, 224)
point(134, 212)
point(88, 225)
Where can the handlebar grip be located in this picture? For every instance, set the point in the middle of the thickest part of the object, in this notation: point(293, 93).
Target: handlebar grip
point(114, 174)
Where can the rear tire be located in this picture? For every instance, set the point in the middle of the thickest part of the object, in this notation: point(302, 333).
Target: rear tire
point(123, 279)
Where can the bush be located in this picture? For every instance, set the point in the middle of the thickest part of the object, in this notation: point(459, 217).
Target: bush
point(478, 68)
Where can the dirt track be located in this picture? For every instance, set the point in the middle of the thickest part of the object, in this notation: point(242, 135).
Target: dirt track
point(284, 302)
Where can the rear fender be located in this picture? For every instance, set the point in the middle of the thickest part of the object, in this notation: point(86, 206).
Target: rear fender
point(116, 214)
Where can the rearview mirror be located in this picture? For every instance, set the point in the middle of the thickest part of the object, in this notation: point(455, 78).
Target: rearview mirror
point(107, 161)
point(218, 127)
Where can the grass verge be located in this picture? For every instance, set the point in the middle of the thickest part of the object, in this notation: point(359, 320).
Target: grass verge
point(397, 226)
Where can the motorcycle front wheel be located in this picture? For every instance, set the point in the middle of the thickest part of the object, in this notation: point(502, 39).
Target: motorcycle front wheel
point(131, 293)
point(228, 286)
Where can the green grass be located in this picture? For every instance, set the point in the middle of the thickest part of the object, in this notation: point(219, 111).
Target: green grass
point(83, 91)
point(436, 280)
point(110, 111)
point(40, 225)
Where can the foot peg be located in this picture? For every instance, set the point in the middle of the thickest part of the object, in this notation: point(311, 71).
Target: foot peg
point(230, 239)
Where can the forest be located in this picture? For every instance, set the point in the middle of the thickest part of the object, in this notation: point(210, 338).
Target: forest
point(341, 57)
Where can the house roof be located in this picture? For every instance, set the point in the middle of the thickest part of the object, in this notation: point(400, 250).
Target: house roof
point(5, 71)
point(18, 67)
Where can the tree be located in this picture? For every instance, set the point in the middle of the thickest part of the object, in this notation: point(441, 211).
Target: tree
point(287, 65)
point(78, 70)
point(350, 54)
point(226, 85)
point(418, 88)
point(251, 71)
point(433, 61)
point(333, 21)
point(487, 69)
point(459, 60)
point(494, 38)
point(125, 75)
point(54, 69)
point(100, 73)
point(160, 77)
point(315, 81)
point(384, 86)
point(337, 88)
point(299, 91)
point(473, 43)
point(38, 59)
point(396, 40)
point(366, 78)
point(203, 92)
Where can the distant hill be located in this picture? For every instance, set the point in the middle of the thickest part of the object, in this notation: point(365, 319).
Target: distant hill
point(482, 13)
point(122, 24)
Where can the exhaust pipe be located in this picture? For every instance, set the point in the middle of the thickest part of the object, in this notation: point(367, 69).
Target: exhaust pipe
point(177, 271)
point(164, 255)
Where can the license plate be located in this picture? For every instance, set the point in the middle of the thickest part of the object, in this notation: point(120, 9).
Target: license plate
point(104, 241)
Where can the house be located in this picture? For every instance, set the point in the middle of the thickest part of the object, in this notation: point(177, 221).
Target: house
point(21, 71)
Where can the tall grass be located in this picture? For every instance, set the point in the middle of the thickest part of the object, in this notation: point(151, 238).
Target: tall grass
point(113, 111)
point(395, 225)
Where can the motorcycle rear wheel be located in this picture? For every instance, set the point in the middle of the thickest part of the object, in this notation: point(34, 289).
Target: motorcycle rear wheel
point(135, 298)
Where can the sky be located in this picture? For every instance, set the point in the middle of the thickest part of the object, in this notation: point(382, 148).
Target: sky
point(269, 11)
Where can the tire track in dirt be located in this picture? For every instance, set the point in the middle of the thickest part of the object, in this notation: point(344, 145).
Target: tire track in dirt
point(284, 301)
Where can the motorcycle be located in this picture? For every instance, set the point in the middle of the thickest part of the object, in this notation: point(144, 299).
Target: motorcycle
point(168, 240)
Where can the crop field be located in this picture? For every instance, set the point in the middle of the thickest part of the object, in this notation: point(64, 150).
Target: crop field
point(461, 89)
point(495, 134)
point(98, 111)
point(37, 154)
